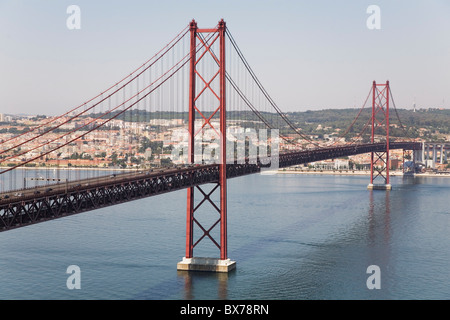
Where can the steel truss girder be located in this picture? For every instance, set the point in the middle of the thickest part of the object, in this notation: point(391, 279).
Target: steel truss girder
point(18, 213)
point(30, 210)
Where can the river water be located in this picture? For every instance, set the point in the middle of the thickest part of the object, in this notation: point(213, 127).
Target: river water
point(293, 236)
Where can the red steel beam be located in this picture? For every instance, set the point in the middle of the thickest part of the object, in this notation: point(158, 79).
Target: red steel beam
point(190, 191)
point(223, 155)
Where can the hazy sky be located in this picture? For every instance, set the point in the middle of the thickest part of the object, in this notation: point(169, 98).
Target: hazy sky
point(308, 54)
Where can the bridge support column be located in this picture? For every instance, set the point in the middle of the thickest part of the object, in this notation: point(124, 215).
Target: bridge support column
point(409, 170)
point(423, 152)
point(189, 262)
point(419, 155)
point(380, 162)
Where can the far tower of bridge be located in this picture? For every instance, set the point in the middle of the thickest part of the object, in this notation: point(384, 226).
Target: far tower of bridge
point(379, 161)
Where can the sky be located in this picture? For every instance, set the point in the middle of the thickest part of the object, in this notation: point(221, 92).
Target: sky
point(309, 55)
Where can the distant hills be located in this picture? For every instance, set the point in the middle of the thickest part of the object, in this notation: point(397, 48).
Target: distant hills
point(429, 124)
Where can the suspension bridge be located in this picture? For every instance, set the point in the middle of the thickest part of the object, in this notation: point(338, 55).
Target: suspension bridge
point(192, 116)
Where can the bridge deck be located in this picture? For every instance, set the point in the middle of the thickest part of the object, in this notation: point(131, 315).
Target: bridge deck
point(34, 205)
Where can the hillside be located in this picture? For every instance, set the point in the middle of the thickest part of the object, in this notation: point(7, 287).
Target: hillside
point(428, 124)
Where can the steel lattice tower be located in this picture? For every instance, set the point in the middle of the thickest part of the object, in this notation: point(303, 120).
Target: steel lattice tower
point(206, 38)
point(379, 161)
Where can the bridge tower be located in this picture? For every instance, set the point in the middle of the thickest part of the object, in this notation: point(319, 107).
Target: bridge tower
point(379, 161)
point(205, 38)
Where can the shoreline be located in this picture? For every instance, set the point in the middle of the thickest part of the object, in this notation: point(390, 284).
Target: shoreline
point(279, 171)
point(357, 173)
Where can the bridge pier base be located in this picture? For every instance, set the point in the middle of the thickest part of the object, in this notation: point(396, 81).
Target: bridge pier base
point(206, 264)
point(372, 186)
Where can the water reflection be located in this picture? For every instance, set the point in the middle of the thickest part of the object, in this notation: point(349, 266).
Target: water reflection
point(198, 281)
point(379, 208)
point(379, 232)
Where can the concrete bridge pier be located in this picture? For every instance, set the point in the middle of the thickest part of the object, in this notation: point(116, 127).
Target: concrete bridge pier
point(206, 264)
point(385, 186)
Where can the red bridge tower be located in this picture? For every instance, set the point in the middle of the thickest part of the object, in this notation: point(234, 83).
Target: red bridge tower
point(379, 164)
point(197, 106)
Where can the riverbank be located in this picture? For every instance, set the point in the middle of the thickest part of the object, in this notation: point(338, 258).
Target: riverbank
point(357, 172)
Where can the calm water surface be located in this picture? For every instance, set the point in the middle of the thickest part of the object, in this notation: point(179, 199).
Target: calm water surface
point(293, 237)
